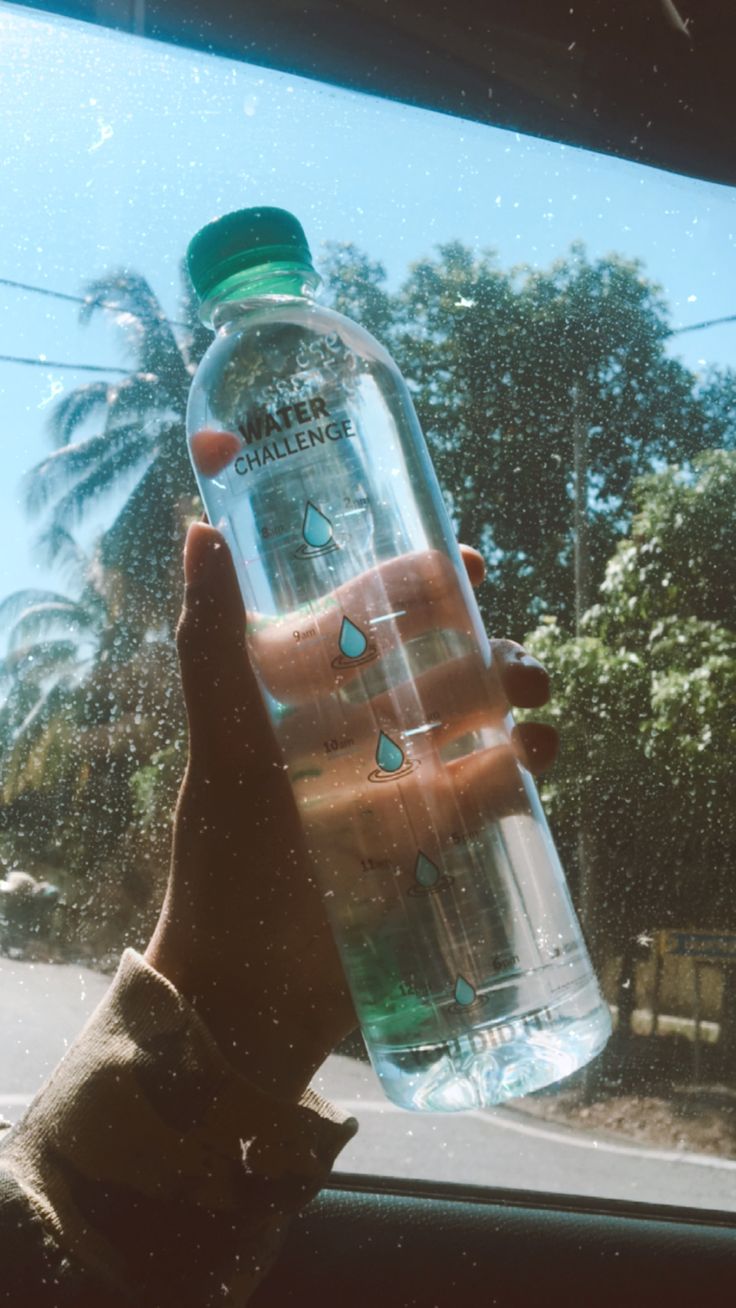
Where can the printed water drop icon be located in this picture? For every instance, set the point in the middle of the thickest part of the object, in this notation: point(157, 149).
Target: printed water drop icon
point(388, 755)
point(428, 878)
point(464, 992)
point(317, 529)
point(391, 759)
point(425, 871)
point(354, 646)
point(353, 643)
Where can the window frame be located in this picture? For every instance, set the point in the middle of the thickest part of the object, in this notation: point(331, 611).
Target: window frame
point(274, 42)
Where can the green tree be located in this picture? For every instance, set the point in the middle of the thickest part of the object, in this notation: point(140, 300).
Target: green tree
point(645, 699)
point(506, 367)
point(526, 382)
point(90, 698)
point(52, 640)
point(91, 686)
point(679, 560)
point(517, 375)
point(355, 285)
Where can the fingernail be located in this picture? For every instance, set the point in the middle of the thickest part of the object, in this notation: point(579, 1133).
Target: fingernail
point(212, 451)
point(528, 661)
point(199, 548)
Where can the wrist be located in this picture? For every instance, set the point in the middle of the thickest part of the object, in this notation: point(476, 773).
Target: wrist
point(276, 1056)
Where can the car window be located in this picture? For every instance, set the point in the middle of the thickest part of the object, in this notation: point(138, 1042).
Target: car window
point(567, 324)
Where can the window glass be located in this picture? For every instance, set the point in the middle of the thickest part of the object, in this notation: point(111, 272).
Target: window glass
point(567, 322)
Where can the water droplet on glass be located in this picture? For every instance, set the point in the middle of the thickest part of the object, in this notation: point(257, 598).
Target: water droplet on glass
point(317, 529)
point(464, 992)
point(388, 755)
point(352, 641)
point(426, 872)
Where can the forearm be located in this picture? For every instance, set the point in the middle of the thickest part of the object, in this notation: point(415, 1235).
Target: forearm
point(274, 1053)
point(151, 1167)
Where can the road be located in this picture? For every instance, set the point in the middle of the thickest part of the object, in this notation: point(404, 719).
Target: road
point(43, 1006)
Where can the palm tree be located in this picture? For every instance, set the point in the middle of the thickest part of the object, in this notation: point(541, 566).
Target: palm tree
point(91, 697)
point(83, 666)
point(137, 448)
point(49, 643)
point(57, 648)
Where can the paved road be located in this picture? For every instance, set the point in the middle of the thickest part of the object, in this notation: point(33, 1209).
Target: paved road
point(43, 1006)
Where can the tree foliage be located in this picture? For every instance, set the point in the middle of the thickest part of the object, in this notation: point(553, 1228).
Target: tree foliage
point(504, 365)
point(128, 434)
point(646, 703)
point(499, 362)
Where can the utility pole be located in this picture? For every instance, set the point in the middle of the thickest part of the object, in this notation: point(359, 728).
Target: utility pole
point(582, 553)
point(581, 530)
point(581, 533)
point(581, 522)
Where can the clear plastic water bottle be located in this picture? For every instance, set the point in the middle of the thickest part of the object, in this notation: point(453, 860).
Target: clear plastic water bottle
point(455, 927)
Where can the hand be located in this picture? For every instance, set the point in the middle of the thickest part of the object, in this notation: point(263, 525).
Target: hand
point(243, 932)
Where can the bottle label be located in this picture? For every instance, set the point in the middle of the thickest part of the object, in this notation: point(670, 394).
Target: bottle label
point(274, 434)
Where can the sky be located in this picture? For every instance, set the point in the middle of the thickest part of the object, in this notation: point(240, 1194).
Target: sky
point(115, 150)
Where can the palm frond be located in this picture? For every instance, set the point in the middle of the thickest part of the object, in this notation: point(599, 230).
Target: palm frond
point(101, 481)
point(12, 606)
point(49, 699)
point(40, 619)
point(143, 541)
point(71, 411)
point(21, 696)
point(172, 442)
point(198, 337)
point(50, 713)
point(133, 396)
point(137, 397)
point(40, 660)
point(117, 450)
point(56, 546)
point(120, 292)
point(140, 315)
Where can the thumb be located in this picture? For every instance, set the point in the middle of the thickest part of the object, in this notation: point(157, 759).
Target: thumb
point(228, 721)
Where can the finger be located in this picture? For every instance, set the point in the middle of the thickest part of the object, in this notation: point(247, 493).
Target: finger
point(351, 821)
point(462, 695)
point(212, 451)
point(489, 785)
point(525, 681)
point(536, 744)
point(221, 693)
point(443, 704)
point(390, 605)
point(474, 564)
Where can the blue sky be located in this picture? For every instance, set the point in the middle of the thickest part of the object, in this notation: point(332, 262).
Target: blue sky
point(116, 150)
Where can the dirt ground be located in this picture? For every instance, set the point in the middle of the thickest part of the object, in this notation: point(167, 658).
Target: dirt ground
point(649, 1091)
point(693, 1121)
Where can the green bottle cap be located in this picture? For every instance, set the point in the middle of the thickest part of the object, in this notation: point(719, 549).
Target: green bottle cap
point(244, 239)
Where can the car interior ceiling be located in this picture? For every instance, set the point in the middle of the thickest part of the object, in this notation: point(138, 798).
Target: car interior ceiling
point(650, 81)
point(646, 80)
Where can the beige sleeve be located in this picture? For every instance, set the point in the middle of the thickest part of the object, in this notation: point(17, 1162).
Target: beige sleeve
point(158, 1170)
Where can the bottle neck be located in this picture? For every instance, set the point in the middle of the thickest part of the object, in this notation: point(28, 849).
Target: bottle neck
point(271, 281)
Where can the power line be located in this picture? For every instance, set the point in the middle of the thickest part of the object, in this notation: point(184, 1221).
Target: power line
point(698, 326)
point(76, 367)
point(173, 322)
point(77, 299)
point(73, 299)
point(103, 304)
